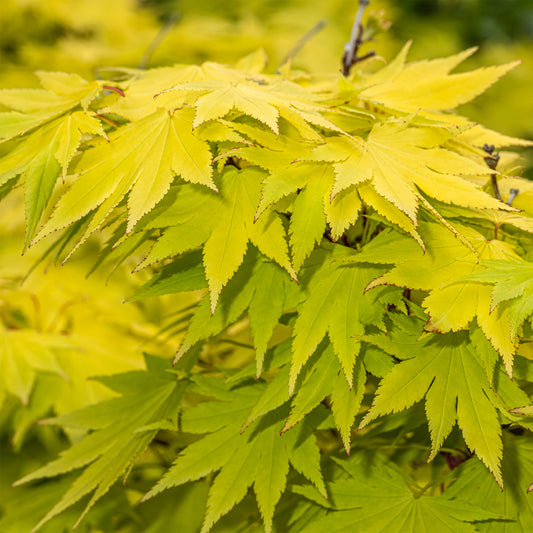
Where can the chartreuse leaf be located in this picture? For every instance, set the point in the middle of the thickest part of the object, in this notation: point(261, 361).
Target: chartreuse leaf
point(474, 484)
point(336, 304)
point(259, 456)
point(186, 213)
point(446, 371)
point(346, 402)
point(34, 107)
point(428, 84)
point(512, 290)
point(308, 218)
point(24, 353)
point(118, 438)
point(316, 385)
point(453, 301)
point(257, 96)
point(130, 164)
point(39, 157)
point(260, 286)
point(400, 160)
point(235, 226)
point(373, 496)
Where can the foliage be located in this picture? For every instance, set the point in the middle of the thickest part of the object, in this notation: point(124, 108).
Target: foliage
point(330, 252)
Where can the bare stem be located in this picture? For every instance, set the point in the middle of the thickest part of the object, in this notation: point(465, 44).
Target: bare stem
point(158, 39)
point(350, 48)
point(492, 162)
point(495, 187)
point(302, 42)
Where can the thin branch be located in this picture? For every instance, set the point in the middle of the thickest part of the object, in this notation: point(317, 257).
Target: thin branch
point(512, 195)
point(302, 42)
point(351, 47)
point(492, 162)
point(158, 39)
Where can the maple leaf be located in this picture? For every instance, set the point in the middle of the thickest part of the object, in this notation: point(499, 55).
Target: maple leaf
point(260, 286)
point(336, 304)
point(227, 244)
point(372, 495)
point(446, 371)
point(128, 165)
point(123, 427)
point(226, 236)
point(258, 96)
point(428, 84)
point(453, 300)
point(512, 288)
point(240, 456)
point(39, 157)
point(474, 484)
point(399, 160)
point(34, 107)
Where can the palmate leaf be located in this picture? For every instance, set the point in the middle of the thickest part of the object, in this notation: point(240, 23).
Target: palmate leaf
point(399, 160)
point(512, 290)
point(33, 107)
point(121, 431)
point(260, 286)
point(223, 224)
point(373, 496)
point(336, 304)
point(259, 456)
point(474, 484)
point(444, 369)
point(41, 155)
point(453, 301)
point(428, 84)
point(262, 97)
point(130, 164)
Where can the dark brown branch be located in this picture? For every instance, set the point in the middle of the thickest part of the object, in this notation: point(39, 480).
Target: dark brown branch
point(492, 161)
point(350, 58)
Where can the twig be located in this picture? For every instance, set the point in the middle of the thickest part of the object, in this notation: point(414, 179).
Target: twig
point(356, 39)
point(492, 161)
point(158, 39)
point(512, 195)
point(302, 42)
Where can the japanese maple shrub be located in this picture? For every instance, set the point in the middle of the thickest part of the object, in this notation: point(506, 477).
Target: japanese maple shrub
point(358, 356)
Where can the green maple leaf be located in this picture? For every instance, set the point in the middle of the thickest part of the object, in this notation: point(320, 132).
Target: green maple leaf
point(336, 304)
point(259, 285)
point(372, 495)
point(122, 428)
point(474, 484)
point(444, 369)
point(260, 456)
point(235, 227)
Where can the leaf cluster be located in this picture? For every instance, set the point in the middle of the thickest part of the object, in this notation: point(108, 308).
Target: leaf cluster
point(351, 268)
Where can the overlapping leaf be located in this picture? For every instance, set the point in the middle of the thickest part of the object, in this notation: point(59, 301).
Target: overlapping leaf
point(373, 496)
point(453, 301)
point(446, 371)
point(130, 164)
point(260, 456)
point(122, 428)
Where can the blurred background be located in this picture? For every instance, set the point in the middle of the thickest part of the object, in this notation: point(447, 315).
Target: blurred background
point(83, 35)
